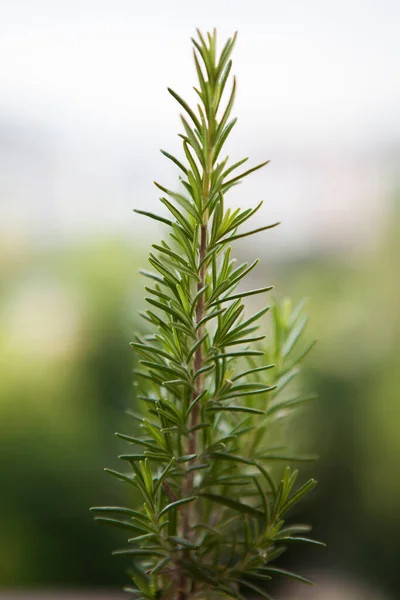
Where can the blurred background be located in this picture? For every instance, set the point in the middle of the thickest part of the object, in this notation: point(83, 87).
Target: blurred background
point(83, 112)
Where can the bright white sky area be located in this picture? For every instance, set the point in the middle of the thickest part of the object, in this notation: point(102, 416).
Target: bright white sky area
point(84, 108)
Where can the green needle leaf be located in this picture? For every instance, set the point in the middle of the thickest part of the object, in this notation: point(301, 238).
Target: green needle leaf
point(243, 235)
point(175, 160)
point(234, 504)
point(153, 216)
point(244, 409)
point(186, 107)
point(287, 574)
point(118, 523)
point(137, 552)
point(300, 539)
point(181, 542)
point(177, 504)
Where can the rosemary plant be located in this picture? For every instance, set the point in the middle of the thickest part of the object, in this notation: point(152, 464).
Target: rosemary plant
point(212, 518)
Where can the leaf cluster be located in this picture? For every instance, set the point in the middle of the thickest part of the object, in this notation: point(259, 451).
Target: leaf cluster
point(213, 513)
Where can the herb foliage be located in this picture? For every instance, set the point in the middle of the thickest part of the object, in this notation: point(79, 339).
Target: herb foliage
point(212, 519)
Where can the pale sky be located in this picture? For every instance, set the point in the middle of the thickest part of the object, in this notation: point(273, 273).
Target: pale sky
point(85, 82)
point(311, 68)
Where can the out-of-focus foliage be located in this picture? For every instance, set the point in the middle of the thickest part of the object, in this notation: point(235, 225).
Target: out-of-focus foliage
point(356, 424)
point(64, 330)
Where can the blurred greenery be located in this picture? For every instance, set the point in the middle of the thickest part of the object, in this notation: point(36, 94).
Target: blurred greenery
point(66, 318)
point(355, 425)
point(66, 321)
